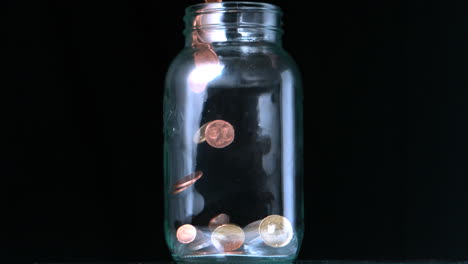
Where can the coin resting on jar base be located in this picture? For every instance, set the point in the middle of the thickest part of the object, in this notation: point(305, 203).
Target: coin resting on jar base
point(276, 231)
point(227, 237)
point(200, 242)
point(186, 233)
point(252, 233)
point(218, 220)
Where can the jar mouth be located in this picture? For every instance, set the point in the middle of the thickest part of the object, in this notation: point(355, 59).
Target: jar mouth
point(233, 21)
point(231, 7)
point(253, 15)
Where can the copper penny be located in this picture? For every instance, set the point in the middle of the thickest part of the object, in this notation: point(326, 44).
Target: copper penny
point(219, 134)
point(218, 220)
point(205, 55)
point(276, 231)
point(206, 66)
point(227, 237)
point(176, 191)
point(187, 181)
point(197, 80)
point(205, 59)
point(186, 233)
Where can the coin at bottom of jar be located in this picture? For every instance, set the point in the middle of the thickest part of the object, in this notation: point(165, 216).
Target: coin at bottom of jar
point(276, 231)
point(227, 237)
point(251, 232)
point(199, 245)
point(201, 242)
point(218, 220)
point(186, 233)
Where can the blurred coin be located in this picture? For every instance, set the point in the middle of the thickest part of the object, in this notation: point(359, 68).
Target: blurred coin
point(204, 54)
point(218, 220)
point(206, 61)
point(276, 231)
point(252, 232)
point(186, 233)
point(201, 242)
point(199, 136)
point(227, 237)
point(213, 1)
point(176, 191)
point(219, 134)
point(187, 181)
point(197, 35)
point(202, 75)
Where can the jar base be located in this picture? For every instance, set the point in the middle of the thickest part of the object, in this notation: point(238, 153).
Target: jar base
point(254, 251)
point(205, 258)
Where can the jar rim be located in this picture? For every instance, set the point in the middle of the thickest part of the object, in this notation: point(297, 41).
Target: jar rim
point(232, 6)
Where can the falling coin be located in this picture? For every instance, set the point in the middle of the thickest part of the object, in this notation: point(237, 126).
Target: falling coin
point(205, 55)
point(176, 191)
point(206, 62)
point(227, 237)
point(201, 241)
point(276, 231)
point(219, 134)
point(187, 181)
point(251, 232)
point(186, 233)
point(218, 220)
point(201, 76)
point(199, 136)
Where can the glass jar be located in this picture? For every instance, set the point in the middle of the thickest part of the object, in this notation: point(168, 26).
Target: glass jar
point(233, 138)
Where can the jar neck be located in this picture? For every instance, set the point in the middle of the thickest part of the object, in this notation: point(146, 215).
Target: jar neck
point(232, 22)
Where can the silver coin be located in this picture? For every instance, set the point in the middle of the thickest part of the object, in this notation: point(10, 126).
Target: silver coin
point(201, 242)
point(276, 231)
point(227, 238)
point(252, 233)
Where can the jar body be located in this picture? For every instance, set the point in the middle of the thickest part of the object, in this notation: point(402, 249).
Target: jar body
point(233, 154)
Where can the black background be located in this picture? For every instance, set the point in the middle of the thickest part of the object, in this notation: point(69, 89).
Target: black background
point(385, 135)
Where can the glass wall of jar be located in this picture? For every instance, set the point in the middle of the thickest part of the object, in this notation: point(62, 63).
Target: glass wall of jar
point(233, 138)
